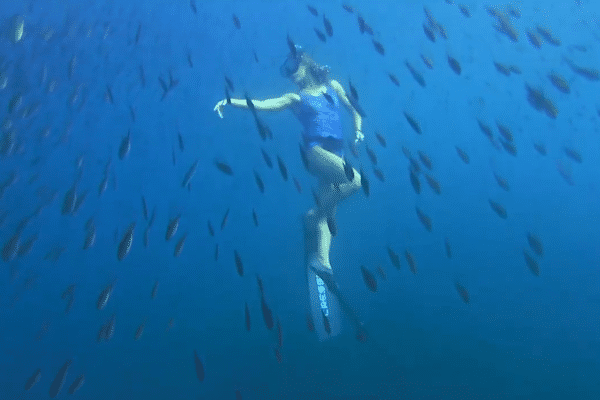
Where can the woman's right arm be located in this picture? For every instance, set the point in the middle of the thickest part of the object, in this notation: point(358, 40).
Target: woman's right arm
point(275, 104)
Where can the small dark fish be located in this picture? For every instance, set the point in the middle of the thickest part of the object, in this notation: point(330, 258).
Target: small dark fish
point(547, 35)
point(267, 158)
point(509, 147)
point(394, 258)
point(126, 241)
point(429, 33)
point(462, 154)
point(540, 148)
point(259, 182)
point(448, 248)
point(498, 209)
point(172, 227)
point(312, 10)
point(77, 384)
point(211, 231)
point(328, 27)
point(572, 154)
point(310, 325)
point(291, 46)
point(297, 184)
point(503, 69)
point(25, 248)
point(229, 83)
point(33, 379)
point(414, 181)
point(379, 174)
point(105, 296)
point(412, 265)
point(536, 244)
point(254, 217)
point(347, 8)
point(378, 47)
point(514, 12)
point(565, 172)
point(348, 170)
point(332, 226)
point(502, 182)
point(282, 168)
point(369, 279)
point(255, 56)
point(179, 245)
point(125, 145)
point(427, 61)
point(190, 61)
point(266, 312)
point(180, 140)
point(263, 129)
point(238, 263)
point(247, 317)
point(108, 96)
point(454, 65)
point(534, 39)
point(139, 331)
point(559, 82)
point(364, 182)
point(59, 379)
point(424, 218)
point(199, 367)
point(236, 22)
point(394, 79)
point(320, 35)
point(278, 355)
point(382, 273)
point(353, 91)
point(69, 200)
point(224, 220)
point(371, 154)
point(590, 74)
point(249, 103)
point(381, 139)
point(144, 208)
point(515, 70)
point(464, 10)
point(364, 27)
point(433, 184)
point(531, 263)
point(154, 290)
point(193, 6)
point(329, 98)
point(224, 167)
point(417, 76)
point(425, 160)
point(505, 131)
point(462, 292)
point(279, 334)
point(326, 323)
point(413, 123)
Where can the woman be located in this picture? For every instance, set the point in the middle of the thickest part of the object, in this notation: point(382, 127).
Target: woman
point(317, 107)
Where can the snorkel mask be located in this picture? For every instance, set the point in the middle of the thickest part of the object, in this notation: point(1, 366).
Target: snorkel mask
point(293, 61)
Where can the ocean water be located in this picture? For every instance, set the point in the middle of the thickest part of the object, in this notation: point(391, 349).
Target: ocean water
point(481, 324)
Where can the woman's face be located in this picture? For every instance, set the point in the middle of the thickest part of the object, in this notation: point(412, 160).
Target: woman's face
point(300, 75)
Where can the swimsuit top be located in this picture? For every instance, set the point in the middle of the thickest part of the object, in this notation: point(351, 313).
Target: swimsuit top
point(319, 117)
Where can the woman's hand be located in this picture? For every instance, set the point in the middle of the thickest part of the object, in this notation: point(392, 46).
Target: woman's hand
point(359, 136)
point(219, 107)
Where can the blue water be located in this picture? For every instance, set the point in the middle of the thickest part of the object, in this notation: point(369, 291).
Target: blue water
point(520, 336)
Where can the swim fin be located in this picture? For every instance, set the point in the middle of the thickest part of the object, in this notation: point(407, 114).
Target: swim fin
point(324, 304)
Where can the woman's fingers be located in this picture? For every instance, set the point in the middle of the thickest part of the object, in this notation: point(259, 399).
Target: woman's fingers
point(219, 109)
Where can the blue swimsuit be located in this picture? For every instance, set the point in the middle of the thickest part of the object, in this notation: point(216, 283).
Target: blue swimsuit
point(321, 121)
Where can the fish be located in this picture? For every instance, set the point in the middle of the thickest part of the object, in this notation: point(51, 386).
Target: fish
point(17, 26)
point(347, 8)
point(199, 367)
point(412, 265)
point(536, 244)
point(505, 131)
point(224, 168)
point(126, 241)
point(25, 248)
point(364, 183)
point(531, 263)
point(72, 65)
point(515, 70)
point(254, 217)
point(464, 10)
point(105, 295)
point(259, 182)
point(348, 170)
point(193, 6)
point(189, 174)
point(539, 102)
point(191, 62)
point(590, 74)
point(565, 172)
point(433, 184)
point(179, 246)
point(108, 96)
point(236, 22)
point(331, 225)
point(144, 208)
point(278, 355)
point(414, 181)
point(413, 123)
point(33, 379)
point(394, 79)
point(381, 139)
point(425, 160)
point(291, 46)
point(172, 227)
point(327, 26)
point(572, 154)
point(540, 148)
point(139, 331)
point(424, 218)
point(267, 158)
point(282, 168)
point(509, 147)
point(462, 154)
point(211, 231)
point(180, 141)
point(310, 325)
point(154, 290)
point(448, 248)
point(229, 83)
point(427, 61)
point(247, 316)
point(266, 312)
point(328, 98)
point(371, 154)
point(378, 174)
point(502, 182)
point(503, 69)
point(369, 279)
point(224, 220)
point(238, 263)
point(381, 273)
point(125, 146)
point(498, 209)
point(279, 333)
point(77, 384)
point(429, 33)
point(312, 10)
point(353, 91)
point(297, 184)
point(320, 35)
point(394, 258)
point(462, 292)
point(59, 379)
point(69, 200)
point(363, 27)
point(417, 76)
point(454, 65)
point(559, 82)
point(378, 47)
point(547, 35)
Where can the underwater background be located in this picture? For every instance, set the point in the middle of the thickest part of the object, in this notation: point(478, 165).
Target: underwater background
point(484, 173)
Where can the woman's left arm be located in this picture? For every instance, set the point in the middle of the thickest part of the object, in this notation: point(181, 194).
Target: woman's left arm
point(344, 97)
